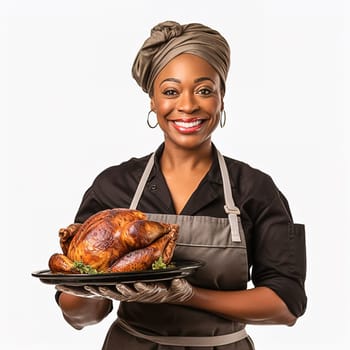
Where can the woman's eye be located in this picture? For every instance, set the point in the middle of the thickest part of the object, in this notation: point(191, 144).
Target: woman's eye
point(204, 91)
point(170, 92)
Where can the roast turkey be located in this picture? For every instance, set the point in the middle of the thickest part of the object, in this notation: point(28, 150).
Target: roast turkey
point(114, 240)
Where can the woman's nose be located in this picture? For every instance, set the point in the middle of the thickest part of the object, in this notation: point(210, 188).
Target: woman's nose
point(187, 103)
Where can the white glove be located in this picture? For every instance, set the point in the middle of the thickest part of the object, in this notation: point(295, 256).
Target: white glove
point(79, 291)
point(178, 291)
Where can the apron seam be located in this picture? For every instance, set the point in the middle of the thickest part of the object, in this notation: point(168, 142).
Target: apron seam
point(208, 245)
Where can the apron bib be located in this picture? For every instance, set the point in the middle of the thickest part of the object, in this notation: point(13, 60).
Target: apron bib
point(219, 243)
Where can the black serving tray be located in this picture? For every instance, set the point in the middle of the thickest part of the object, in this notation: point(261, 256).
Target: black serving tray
point(179, 270)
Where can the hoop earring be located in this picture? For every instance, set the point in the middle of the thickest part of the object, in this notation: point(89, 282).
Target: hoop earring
point(222, 118)
point(148, 122)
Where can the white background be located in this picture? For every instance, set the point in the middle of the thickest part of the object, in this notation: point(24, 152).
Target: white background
point(69, 108)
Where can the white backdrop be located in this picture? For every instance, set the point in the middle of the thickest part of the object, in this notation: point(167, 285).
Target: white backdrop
point(69, 108)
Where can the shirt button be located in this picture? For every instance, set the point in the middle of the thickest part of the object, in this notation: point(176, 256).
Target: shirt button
point(153, 187)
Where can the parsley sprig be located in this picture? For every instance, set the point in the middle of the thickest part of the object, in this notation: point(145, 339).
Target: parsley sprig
point(84, 268)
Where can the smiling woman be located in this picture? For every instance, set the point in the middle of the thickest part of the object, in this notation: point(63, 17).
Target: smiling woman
point(187, 98)
point(230, 216)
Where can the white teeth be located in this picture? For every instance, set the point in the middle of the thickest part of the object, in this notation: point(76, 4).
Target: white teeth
point(188, 124)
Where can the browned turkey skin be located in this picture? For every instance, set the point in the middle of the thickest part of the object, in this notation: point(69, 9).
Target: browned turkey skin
point(115, 240)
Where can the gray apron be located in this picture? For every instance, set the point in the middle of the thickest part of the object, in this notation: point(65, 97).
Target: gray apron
point(219, 243)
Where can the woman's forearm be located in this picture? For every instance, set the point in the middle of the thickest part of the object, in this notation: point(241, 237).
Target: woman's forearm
point(259, 305)
point(80, 312)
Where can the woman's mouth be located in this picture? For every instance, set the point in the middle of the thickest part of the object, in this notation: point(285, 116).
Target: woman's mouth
point(188, 126)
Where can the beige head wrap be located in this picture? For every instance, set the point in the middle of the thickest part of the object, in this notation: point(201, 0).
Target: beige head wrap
point(170, 39)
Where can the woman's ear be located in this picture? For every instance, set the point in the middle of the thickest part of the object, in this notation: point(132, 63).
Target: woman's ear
point(152, 105)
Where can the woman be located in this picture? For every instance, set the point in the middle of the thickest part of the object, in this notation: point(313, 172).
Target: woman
point(232, 216)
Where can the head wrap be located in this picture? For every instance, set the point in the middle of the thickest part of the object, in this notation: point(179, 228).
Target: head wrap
point(170, 39)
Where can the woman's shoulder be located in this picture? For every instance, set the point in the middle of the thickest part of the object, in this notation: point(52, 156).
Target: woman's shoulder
point(242, 169)
point(134, 165)
point(249, 180)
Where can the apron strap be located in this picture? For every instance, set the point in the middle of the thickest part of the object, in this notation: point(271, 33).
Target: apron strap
point(230, 207)
point(214, 340)
point(142, 183)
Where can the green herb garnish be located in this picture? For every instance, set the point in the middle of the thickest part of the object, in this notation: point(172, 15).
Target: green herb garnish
point(84, 268)
point(159, 264)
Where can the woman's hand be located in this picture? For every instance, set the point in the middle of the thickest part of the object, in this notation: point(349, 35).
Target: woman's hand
point(178, 291)
point(77, 291)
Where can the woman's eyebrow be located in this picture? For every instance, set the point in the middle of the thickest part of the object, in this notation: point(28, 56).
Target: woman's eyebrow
point(170, 79)
point(198, 80)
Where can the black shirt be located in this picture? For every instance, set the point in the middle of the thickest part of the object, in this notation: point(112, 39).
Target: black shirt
point(275, 245)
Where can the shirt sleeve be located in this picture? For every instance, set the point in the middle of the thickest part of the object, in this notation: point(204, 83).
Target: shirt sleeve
point(279, 254)
point(112, 188)
point(89, 206)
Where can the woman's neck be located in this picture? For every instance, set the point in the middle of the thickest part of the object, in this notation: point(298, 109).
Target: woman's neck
point(190, 159)
point(183, 170)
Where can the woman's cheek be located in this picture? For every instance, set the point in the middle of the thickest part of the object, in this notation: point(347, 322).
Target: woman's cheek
point(164, 108)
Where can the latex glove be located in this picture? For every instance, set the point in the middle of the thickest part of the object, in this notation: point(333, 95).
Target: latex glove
point(178, 291)
point(83, 292)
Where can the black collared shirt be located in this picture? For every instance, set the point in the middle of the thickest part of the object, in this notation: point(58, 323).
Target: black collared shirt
point(276, 246)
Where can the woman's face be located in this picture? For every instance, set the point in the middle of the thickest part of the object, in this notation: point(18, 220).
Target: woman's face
point(187, 99)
